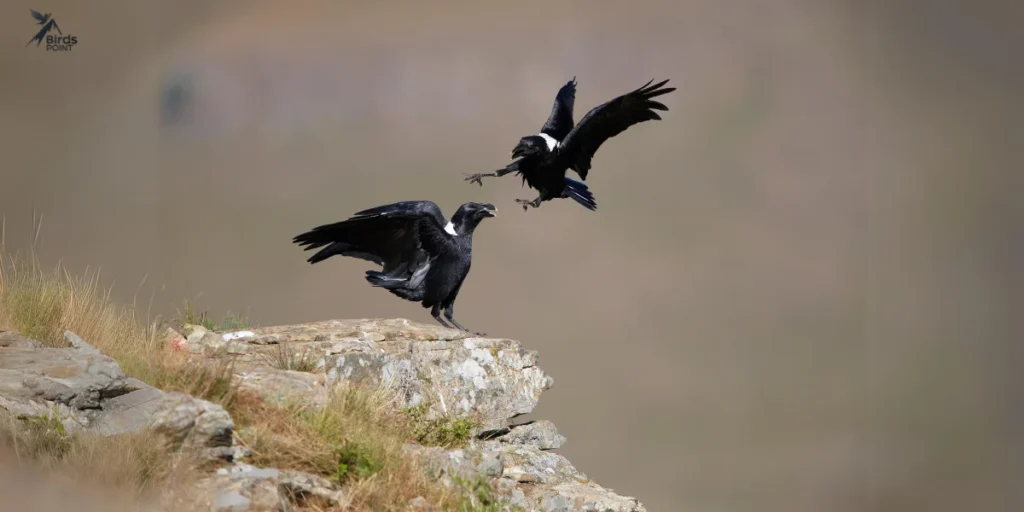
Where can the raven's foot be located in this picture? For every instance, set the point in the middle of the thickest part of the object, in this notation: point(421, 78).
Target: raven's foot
point(463, 329)
point(528, 203)
point(478, 178)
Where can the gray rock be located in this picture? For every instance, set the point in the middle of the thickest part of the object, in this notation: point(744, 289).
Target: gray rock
point(11, 339)
point(466, 464)
point(580, 496)
point(546, 466)
point(188, 330)
point(551, 482)
point(73, 420)
point(556, 503)
point(85, 389)
point(130, 412)
point(78, 377)
point(491, 380)
point(517, 498)
point(199, 340)
point(285, 385)
point(530, 478)
point(79, 344)
point(298, 487)
point(178, 341)
point(211, 342)
point(192, 422)
point(419, 503)
point(541, 435)
point(242, 487)
point(231, 500)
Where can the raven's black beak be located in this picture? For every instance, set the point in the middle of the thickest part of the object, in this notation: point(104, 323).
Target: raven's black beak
point(490, 211)
point(519, 150)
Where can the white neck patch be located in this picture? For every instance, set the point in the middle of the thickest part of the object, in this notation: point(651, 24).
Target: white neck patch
point(450, 229)
point(552, 143)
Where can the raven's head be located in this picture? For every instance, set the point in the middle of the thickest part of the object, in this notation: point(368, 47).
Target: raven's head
point(469, 215)
point(531, 145)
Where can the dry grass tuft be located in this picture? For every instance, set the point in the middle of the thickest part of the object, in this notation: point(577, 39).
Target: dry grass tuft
point(284, 357)
point(355, 440)
point(43, 304)
point(188, 315)
point(446, 431)
point(140, 463)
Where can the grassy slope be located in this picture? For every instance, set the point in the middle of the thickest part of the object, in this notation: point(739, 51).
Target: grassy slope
point(356, 439)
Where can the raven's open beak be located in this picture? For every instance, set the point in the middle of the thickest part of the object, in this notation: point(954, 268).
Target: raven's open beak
point(519, 150)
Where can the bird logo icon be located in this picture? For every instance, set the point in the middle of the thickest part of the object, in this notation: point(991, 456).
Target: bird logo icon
point(47, 22)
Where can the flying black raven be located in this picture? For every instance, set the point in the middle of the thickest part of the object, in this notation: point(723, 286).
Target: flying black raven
point(424, 256)
point(543, 159)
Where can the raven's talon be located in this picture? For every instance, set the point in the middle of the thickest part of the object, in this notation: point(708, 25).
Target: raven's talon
point(476, 178)
point(526, 203)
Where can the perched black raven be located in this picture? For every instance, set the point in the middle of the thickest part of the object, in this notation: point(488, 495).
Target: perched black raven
point(424, 256)
point(543, 159)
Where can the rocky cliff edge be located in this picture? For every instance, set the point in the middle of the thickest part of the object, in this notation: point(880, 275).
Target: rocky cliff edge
point(441, 372)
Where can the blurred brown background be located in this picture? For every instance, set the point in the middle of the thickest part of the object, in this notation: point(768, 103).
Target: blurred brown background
point(796, 294)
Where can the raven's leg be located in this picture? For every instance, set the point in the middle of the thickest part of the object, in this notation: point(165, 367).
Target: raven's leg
point(478, 178)
point(527, 203)
point(436, 313)
point(449, 313)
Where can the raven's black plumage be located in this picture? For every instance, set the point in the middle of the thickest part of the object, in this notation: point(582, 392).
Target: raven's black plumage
point(424, 257)
point(543, 159)
point(559, 122)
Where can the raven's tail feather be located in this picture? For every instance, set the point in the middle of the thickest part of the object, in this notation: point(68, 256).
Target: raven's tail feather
point(580, 193)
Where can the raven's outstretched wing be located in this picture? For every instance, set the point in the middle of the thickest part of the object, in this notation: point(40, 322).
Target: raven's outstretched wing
point(559, 122)
point(40, 17)
point(400, 236)
point(610, 119)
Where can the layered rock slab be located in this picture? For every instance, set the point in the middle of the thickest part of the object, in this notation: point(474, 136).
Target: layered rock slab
point(451, 374)
point(241, 487)
point(524, 472)
point(86, 390)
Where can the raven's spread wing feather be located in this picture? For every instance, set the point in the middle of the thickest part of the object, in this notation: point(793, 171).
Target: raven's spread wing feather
point(559, 122)
point(610, 119)
point(401, 236)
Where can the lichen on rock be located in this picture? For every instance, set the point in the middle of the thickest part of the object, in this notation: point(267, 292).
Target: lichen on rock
point(454, 374)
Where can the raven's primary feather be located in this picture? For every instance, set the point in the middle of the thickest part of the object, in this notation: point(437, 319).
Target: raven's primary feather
point(610, 119)
point(559, 122)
